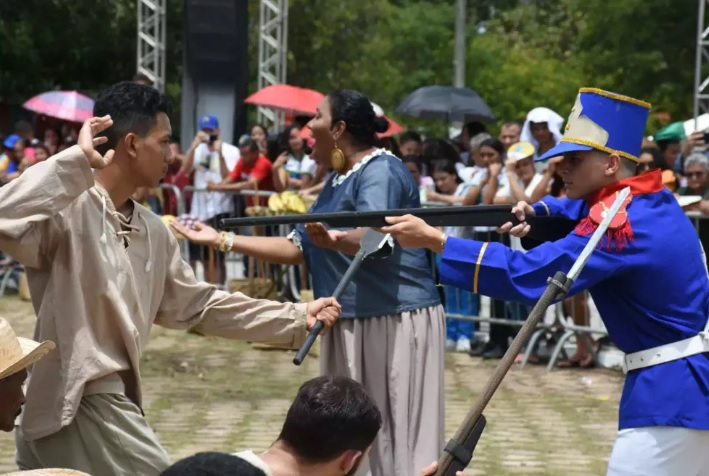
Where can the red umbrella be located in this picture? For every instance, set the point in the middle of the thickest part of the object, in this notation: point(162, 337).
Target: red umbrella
point(68, 105)
point(287, 98)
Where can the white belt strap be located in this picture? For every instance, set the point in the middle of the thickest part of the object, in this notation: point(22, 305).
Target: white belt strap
point(667, 353)
point(674, 351)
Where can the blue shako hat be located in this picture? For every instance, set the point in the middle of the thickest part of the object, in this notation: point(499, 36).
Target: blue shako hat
point(604, 121)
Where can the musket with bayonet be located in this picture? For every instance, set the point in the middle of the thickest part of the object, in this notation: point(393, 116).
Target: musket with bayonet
point(542, 228)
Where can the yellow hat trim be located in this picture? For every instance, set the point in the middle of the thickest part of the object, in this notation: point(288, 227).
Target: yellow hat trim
point(618, 97)
point(600, 147)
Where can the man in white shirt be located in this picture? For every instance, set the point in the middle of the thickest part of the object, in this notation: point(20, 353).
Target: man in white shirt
point(211, 160)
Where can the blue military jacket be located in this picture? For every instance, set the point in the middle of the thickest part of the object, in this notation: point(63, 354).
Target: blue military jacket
point(650, 291)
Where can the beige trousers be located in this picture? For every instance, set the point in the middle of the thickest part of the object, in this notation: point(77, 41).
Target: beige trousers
point(108, 437)
point(400, 361)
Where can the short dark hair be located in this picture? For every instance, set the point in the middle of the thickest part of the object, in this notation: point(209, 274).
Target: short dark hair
point(356, 111)
point(212, 463)
point(133, 107)
point(510, 124)
point(247, 142)
point(329, 416)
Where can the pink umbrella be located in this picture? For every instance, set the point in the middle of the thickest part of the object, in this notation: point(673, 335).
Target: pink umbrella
point(68, 105)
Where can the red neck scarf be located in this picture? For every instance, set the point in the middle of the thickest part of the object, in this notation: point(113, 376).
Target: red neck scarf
point(619, 232)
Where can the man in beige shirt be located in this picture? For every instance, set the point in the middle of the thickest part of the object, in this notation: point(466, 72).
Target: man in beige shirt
point(101, 270)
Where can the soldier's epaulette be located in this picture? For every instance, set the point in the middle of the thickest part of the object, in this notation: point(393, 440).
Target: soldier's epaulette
point(619, 232)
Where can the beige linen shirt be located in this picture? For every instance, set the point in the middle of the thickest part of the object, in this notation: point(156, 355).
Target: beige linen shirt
point(98, 283)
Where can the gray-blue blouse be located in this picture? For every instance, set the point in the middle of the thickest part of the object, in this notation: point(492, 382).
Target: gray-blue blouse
point(403, 280)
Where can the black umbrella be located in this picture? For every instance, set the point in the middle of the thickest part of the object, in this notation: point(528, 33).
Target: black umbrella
point(446, 103)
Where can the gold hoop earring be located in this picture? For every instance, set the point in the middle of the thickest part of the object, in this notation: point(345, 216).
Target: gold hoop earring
point(337, 159)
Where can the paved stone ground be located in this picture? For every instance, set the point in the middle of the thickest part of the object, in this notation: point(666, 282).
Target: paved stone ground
point(212, 394)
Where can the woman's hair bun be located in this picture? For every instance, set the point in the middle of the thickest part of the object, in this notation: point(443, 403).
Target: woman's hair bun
point(381, 124)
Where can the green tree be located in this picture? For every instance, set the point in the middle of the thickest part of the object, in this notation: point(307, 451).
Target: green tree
point(50, 44)
point(516, 68)
point(642, 48)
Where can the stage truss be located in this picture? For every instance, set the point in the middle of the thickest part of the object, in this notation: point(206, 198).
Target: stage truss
point(272, 48)
point(272, 55)
point(152, 26)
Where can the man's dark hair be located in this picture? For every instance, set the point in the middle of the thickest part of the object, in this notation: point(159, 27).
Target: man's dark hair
point(211, 463)
point(248, 143)
point(133, 107)
point(329, 416)
point(510, 124)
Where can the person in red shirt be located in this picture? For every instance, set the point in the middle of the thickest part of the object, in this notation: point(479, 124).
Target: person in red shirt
point(253, 171)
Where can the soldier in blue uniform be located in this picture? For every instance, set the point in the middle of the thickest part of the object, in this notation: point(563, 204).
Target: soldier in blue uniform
point(648, 279)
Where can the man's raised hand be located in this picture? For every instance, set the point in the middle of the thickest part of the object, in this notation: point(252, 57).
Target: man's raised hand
point(88, 141)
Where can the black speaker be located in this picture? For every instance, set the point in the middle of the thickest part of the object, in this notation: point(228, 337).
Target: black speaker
point(216, 40)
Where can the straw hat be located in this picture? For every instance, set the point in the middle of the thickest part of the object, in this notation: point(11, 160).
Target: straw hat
point(17, 353)
point(48, 472)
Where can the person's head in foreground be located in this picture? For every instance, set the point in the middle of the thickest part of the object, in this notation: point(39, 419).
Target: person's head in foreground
point(329, 428)
point(212, 463)
point(139, 136)
point(602, 141)
point(16, 355)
